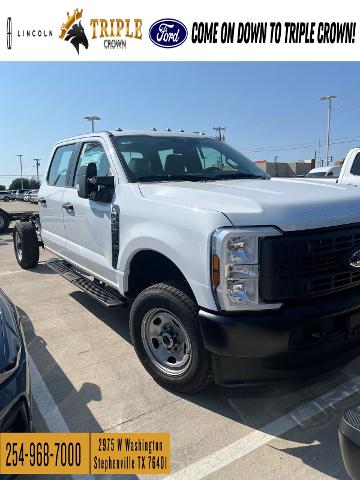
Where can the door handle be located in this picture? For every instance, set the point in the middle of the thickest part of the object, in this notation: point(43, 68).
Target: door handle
point(68, 206)
point(42, 200)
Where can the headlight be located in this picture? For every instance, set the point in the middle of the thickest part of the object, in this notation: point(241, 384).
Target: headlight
point(235, 268)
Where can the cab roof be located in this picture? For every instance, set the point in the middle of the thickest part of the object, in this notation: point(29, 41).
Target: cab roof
point(151, 133)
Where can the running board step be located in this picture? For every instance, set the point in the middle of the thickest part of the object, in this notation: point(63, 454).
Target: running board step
point(97, 291)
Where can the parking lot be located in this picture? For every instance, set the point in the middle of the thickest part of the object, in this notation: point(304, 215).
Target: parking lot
point(86, 377)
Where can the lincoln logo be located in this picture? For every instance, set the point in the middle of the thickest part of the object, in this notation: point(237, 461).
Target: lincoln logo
point(354, 259)
point(9, 33)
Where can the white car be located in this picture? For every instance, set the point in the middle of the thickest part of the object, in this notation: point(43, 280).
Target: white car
point(5, 195)
point(324, 172)
point(229, 275)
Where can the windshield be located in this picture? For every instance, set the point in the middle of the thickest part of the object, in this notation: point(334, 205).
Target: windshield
point(316, 174)
point(156, 158)
point(334, 172)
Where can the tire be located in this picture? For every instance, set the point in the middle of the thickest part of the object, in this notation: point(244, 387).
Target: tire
point(166, 335)
point(26, 245)
point(6, 199)
point(4, 221)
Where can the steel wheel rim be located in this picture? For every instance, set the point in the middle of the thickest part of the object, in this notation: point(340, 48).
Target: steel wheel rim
point(18, 246)
point(166, 341)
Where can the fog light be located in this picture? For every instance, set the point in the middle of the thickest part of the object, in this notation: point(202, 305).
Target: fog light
point(240, 291)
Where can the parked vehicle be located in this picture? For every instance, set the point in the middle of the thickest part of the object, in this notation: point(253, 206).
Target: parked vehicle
point(6, 218)
point(230, 275)
point(5, 195)
point(13, 194)
point(20, 194)
point(33, 197)
point(26, 196)
point(324, 172)
point(349, 438)
point(15, 409)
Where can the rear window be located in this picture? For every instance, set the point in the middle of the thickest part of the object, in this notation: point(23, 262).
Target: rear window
point(60, 165)
point(355, 167)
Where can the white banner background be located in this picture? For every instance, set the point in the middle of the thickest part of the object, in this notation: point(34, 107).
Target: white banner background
point(45, 15)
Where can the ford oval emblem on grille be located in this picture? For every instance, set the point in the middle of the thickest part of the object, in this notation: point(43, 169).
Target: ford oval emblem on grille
point(168, 33)
point(354, 258)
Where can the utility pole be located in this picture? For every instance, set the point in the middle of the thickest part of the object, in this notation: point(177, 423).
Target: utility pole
point(22, 181)
point(220, 136)
point(329, 98)
point(37, 165)
point(276, 158)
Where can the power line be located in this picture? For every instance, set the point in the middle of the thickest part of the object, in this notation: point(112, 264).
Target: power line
point(17, 176)
point(298, 147)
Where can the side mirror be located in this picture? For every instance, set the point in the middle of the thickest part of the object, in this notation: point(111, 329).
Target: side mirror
point(103, 181)
point(84, 187)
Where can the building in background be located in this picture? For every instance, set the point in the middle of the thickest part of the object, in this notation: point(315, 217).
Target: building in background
point(285, 169)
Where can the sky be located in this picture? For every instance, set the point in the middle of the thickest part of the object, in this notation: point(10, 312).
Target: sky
point(268, 108)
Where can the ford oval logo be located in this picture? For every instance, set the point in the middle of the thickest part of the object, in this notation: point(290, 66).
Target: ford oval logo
point(354, 259)
point(168, 33)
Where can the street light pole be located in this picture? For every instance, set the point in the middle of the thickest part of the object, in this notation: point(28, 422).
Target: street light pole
point(92, 118)
point(329, 98)
point(21, 176)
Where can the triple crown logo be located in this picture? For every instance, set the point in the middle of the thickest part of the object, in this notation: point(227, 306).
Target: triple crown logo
point(73, 31)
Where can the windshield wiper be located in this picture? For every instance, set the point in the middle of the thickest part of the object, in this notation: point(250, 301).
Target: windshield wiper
point(168, 178)
point(238, 176)
point(195, 177)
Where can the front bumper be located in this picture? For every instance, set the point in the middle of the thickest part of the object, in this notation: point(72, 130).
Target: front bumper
point(298, 340)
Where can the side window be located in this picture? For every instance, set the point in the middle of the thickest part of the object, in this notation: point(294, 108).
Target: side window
point(355, 167)
point(60, 165)
point(211, 158)
point(163, 154)
point(93, 152)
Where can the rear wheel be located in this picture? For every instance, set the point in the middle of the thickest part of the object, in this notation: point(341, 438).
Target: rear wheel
point(26, 245)
point(167, 338)
point(6, 199)
point(4, 221)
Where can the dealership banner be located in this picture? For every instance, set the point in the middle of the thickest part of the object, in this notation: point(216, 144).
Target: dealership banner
point(84, 30)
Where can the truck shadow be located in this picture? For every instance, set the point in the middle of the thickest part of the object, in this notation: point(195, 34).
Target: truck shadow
point(71, 402)
point(117, 319)
point(315, 441)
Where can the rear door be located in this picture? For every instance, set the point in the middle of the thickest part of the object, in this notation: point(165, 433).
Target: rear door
point(51, 198)
point(87, 222)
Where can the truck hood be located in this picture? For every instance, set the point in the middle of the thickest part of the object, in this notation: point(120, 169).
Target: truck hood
point(287, 204)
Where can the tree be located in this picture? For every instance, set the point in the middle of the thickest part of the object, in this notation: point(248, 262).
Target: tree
point(2, 187)
point(31, 183)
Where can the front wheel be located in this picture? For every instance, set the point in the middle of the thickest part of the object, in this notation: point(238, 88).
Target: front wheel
point(26, 245)
point(166, 334)
point(6, 199)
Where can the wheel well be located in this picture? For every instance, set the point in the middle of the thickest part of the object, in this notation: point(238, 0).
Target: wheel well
point(149, 267)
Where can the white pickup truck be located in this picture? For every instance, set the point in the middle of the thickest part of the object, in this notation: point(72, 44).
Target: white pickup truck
point(229, 275)
point(348, 173)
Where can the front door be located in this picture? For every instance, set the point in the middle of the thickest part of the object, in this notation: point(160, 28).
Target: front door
point(87, 222)
point(51, 199)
